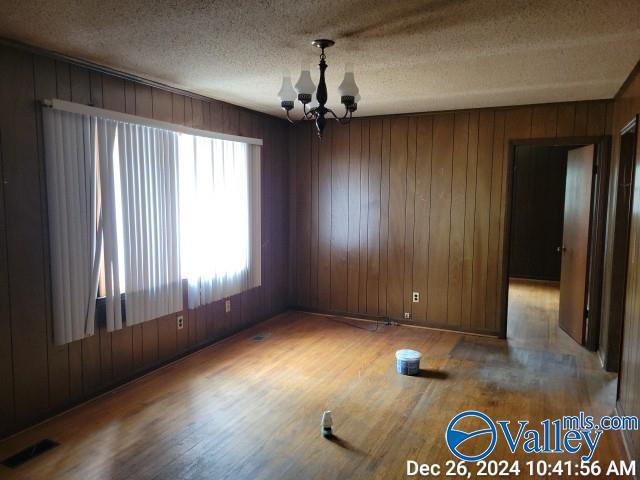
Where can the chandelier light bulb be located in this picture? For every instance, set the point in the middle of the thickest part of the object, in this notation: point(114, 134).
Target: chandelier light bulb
point(287, 94)
point(304, 85)
point(348, 87)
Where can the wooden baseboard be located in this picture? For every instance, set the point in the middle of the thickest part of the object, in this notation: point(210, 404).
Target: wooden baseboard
point(601, 358)
point(404, 323)
point(627, 441)
point(541, 281)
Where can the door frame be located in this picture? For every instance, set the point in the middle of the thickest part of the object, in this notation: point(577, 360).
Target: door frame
point(597, 231)
point(618, 292)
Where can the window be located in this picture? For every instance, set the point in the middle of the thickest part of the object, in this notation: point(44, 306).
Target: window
point(211, 216)
point(149, 205)
point(215, 222)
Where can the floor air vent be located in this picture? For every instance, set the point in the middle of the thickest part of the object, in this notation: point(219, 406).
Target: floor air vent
point(29, 453)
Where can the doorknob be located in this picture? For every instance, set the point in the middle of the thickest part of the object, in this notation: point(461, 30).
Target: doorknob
point(561, 249)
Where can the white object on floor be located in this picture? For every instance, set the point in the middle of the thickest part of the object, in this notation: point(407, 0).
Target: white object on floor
point(408, 361)
point(326, 424)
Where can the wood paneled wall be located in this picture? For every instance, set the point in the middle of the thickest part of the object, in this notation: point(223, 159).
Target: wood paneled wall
point(391, 205)
point(626, 106)
point(538, 185)
point(38, 378)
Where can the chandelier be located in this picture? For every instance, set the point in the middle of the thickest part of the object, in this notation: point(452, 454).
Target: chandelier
point(348, 91)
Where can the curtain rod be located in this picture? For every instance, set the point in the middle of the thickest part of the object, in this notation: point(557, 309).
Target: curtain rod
point(79, 108)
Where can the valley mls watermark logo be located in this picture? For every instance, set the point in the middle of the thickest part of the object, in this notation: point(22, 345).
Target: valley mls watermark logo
point(457, 437)
point(472, 436)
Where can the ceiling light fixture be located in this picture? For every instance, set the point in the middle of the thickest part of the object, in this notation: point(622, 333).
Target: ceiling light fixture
point(348, 90)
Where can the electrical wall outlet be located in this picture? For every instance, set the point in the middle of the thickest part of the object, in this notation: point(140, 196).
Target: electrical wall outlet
point(407, 315)
point(180, 322)
point(416, 297)
point(227, 306)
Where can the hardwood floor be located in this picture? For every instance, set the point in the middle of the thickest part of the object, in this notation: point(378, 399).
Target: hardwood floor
point(247, 408)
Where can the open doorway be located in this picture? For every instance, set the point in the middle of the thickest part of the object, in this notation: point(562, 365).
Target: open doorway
point(537, 205)
point(555, 240)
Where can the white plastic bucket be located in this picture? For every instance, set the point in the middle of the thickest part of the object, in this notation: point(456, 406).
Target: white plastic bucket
point(408, 361)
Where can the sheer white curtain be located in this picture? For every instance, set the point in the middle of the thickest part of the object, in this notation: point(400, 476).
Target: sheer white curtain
point(146, 185)
point(220, 224)
point(75, 227)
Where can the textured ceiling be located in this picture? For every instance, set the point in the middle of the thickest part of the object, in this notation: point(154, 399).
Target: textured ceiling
point(408, 55)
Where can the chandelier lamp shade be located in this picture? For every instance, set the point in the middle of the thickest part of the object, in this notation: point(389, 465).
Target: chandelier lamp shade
point(305, 88)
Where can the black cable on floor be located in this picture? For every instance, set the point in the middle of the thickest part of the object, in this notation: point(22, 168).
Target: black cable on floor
point(372, 330)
